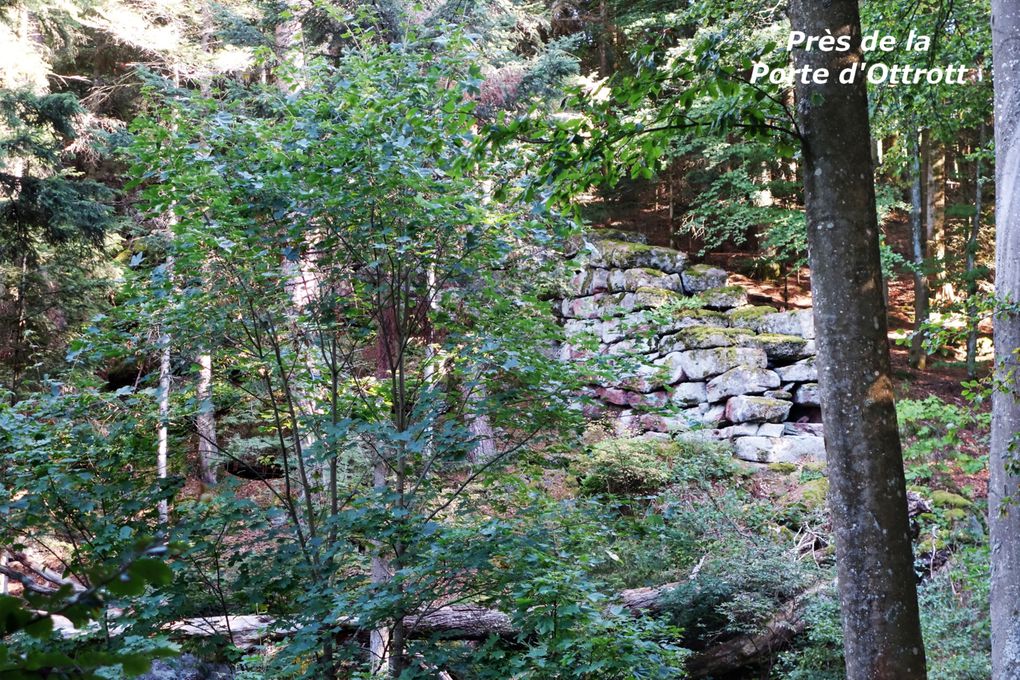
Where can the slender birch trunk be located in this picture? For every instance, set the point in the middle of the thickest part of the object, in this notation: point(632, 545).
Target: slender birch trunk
point(163, 398)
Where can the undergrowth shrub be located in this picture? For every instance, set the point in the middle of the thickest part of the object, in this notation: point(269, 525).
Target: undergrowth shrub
point(737, 590)
point(643, 466)
point(626, 467)
point(954, 620)
point(933, 432)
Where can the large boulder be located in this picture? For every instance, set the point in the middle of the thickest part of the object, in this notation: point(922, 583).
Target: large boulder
point(725, 297)
point(802, 371)
point(746, 409)
point(649, 298)
point(759, 449)
point(662, 372)
point(779, 348)
point(798, 322)
point(665, 423)
point(741, 380)
point(704, 337)
point(685, 318)
point(639, 400)
point(592, 306)
point(588, 281)
point(699, 364)
point(630, 280)
point(698, 278)
point(689, 394)
point(611, 254)
point(807, 395)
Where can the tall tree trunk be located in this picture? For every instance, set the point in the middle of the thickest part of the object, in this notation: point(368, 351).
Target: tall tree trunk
point(605, 40)
point(972, 246)
point(1004, 484)
point(205, 421)
point(935, 216)
point(918, 232)
point(379, 638)
point(881, 625)
point(163, 431)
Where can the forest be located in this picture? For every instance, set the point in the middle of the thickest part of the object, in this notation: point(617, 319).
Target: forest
point(509, 339)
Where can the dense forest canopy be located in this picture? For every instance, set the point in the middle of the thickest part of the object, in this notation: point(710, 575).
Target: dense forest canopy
point(476, 339)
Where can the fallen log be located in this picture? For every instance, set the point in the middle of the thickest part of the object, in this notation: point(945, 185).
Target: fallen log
point(747, 650)
point(472, 622)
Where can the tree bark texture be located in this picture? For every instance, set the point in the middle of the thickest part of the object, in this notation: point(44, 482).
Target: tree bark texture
point(972, 247)
point(205, 420)
point(878, 595)
point(1004, 485)
point(935, 217)
point(919, 240)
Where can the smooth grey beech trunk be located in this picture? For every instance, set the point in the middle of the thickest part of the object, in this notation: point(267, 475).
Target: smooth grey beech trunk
point(1004, 484)
point(882, 632)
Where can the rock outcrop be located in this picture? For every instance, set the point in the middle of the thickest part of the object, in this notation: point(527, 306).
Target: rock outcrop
point(688, 353)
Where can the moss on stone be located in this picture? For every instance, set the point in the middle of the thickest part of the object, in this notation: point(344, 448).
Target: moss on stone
point(750, 312)
point(947, 499)
point(815, 466)
point(930, 544)
point(700, 269)
point(688, 313)
point(695, 334)
point(725, 290)
point(815, 492)
point(956, 514)
point(630, 246)
point(782, 468)
point(778, 338)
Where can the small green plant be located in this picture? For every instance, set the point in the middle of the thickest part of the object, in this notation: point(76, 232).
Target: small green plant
point(933, 433)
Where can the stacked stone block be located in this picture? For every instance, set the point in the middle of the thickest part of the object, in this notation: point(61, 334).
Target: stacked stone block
point(701, 359)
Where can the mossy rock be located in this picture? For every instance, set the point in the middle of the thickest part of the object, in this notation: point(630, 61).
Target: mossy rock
point(782, 468)
point(930, 544)
point(777, 346)
point(704, 337)
point(947, 499)
point(955, 514)
point(607, 234)
point(701, 269)
point(705, 317)
point(815, 466)
point(625, 255)
point(750, 312)
point(814, 493)
point(724, 297)
point(647, 297)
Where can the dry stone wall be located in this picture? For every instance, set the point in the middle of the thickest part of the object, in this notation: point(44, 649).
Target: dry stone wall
point(696, 357)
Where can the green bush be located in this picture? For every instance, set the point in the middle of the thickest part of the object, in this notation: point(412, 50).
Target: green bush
point(931, 430)
point(954, 619)
point(737, 590)
point(627, 467)
point(640, 466)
